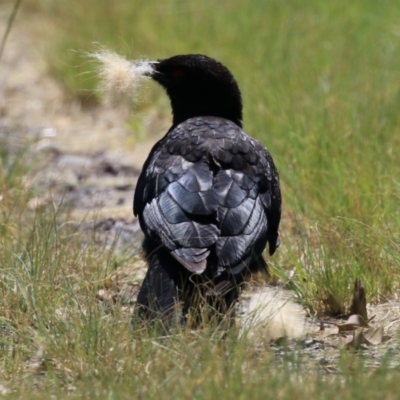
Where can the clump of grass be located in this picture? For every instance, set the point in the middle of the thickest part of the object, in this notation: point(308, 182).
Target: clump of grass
point(325, 263)
point(13, 195)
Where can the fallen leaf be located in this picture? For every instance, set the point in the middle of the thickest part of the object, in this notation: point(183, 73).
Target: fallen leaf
point(374, 335)
point(353, 322)
point(367, 337)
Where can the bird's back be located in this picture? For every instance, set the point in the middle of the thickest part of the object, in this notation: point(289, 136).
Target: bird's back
point(210, 195)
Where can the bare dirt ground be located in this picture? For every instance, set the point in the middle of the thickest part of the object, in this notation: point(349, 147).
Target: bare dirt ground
point(90, 164)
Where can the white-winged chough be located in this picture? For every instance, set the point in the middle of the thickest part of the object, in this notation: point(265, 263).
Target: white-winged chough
point(208, 198)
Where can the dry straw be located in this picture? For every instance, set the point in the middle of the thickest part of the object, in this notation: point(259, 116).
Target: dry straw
point(120, 79)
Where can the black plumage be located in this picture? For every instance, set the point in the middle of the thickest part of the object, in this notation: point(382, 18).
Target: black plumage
point(208, 198)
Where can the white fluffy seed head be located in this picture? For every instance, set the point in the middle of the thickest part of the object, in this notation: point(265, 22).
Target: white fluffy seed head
point(120, 79)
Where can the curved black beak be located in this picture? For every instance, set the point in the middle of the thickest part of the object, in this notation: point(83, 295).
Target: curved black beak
point(156, 74)
point(152, 65)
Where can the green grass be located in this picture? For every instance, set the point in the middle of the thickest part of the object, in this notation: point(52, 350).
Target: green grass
point(320, 83)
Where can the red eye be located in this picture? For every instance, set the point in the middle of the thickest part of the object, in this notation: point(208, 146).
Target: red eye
point(178, 73)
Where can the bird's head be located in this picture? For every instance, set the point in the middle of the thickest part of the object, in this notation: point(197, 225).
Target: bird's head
point(198, 85)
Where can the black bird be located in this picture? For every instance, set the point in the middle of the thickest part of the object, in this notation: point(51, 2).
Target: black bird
point(208, 198)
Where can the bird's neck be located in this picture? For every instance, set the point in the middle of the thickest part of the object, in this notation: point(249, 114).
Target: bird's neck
point(186, 111)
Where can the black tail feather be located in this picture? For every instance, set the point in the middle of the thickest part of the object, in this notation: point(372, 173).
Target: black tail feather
point(161, 291)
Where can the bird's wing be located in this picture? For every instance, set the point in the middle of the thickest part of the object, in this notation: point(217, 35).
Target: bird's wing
point(249, 209)
point(176, 202)
point(208, 185)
